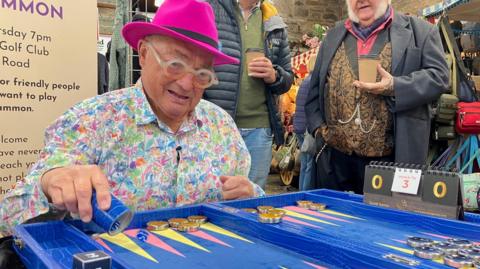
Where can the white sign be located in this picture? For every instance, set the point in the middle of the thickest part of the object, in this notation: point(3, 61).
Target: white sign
point(406, 180)
point(102, 43)
point(47, 64)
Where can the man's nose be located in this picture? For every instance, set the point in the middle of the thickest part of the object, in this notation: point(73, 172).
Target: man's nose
point(186, 81)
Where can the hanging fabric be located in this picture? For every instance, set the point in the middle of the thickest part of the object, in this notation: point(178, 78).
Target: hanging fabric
point(119, 51)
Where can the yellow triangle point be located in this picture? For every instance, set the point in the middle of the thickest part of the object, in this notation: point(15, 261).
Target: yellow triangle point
point(404, 250)
point(171, 234)
point(214, 228)
point(123, 241)
point(303, 216)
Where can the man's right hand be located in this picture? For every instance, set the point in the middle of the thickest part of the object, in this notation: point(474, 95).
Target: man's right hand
point(70, 188)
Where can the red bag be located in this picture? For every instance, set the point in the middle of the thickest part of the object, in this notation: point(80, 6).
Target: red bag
point(468, 118)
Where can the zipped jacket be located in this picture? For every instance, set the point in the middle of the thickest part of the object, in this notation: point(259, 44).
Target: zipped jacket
point(226, 93)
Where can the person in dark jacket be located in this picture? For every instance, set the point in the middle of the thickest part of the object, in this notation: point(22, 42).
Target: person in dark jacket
point(249, 92)
point(381, 121)
point(306, 180)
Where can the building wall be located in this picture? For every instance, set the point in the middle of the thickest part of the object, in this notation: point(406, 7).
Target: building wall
point(301, 15)
point(414, 7)
point(106, 15)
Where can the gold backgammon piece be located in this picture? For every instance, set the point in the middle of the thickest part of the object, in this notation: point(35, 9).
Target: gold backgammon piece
point(264, 208)
point(188, 227)
point(157, 225)
point(175, 222)
point(197, 219)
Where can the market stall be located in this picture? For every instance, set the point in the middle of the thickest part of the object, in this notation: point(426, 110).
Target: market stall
point(300, 62)
point(465, 10)
point(461, 47)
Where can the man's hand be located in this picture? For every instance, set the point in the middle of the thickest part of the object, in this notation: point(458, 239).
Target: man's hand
point(381, 87)
point(235, 187)
point(262, 68)
point(71, 188)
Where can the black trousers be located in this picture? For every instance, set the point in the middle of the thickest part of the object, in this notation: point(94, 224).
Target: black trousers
point(8, 257)
point(339, 171)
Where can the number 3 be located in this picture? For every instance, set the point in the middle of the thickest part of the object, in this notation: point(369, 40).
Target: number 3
point(405, 183)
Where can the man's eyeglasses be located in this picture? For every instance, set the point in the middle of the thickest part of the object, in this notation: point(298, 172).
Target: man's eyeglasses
point(176, 69)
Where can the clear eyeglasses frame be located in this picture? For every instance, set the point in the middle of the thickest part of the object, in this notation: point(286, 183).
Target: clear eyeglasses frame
point(176, 69)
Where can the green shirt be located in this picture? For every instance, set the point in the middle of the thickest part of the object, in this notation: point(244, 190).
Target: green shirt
point(252, 111)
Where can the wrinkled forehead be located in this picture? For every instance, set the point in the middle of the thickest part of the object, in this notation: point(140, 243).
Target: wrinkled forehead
point(181, 50)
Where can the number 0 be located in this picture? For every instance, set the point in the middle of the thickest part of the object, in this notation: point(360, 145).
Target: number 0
point(443, 192)
point(377, 182)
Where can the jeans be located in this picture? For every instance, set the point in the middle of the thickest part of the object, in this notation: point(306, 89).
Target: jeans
point(305, 180)
point(259, 144)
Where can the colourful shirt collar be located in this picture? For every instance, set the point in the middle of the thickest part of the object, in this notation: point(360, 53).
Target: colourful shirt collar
point(144, 114)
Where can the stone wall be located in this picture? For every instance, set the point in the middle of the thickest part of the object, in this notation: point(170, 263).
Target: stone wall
point(414, 7)
point(106, 13)
point(301, 15)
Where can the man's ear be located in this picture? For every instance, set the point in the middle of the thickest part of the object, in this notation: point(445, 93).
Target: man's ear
point(142, 52)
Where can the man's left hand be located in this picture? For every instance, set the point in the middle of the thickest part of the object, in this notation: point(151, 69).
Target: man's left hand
point(384, 85)
point(262, 68)
point(235, 187)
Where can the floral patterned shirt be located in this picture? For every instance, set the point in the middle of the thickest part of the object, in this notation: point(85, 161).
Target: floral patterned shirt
point(148, 165)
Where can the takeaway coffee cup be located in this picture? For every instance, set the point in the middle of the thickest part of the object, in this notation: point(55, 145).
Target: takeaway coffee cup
point(367, 68)
point(253, 53)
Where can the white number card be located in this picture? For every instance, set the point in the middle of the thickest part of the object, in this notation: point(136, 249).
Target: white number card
point(406, 180)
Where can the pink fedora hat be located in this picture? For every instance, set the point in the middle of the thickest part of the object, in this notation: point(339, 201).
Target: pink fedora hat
point(191, 21)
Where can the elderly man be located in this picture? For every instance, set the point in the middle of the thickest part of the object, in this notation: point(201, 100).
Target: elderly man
point(388, 120)
point(153, 145)
point(249, 92)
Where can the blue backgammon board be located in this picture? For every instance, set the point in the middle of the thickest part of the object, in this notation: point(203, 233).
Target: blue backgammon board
point(347, 234)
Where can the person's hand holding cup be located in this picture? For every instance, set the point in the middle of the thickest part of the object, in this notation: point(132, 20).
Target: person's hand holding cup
point(259, 66)
point(369, 68)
